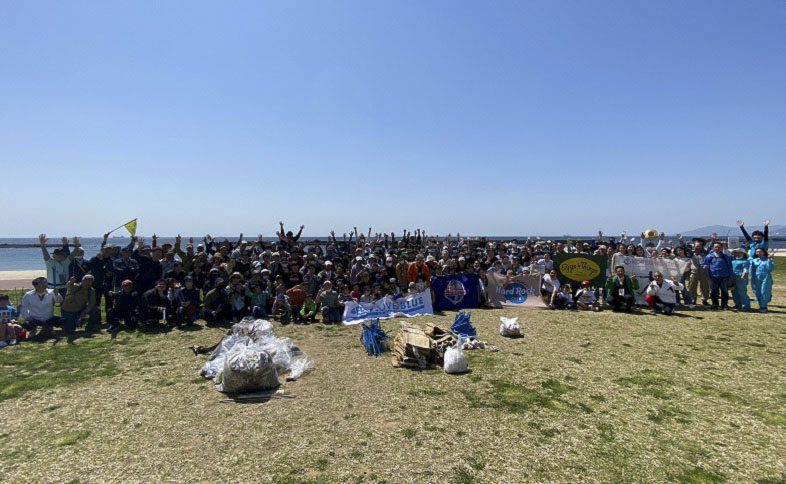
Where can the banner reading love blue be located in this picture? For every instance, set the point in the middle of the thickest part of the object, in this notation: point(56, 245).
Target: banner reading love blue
point(418, 304)
point(456, 291)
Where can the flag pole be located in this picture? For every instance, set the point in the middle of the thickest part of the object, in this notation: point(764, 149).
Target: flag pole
point(116, 228)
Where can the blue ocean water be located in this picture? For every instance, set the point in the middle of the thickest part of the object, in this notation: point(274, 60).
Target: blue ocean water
point(29, 258)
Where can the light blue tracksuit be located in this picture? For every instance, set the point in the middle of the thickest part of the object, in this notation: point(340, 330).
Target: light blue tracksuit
point(761, 280)
point(740, 292)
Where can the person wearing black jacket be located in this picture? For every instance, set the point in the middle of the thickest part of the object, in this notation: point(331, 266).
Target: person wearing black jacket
point(187, 302)
point(150, 269)
point(101, 267)
point(177, 273)
point(124, 268)
point(155, 305)
point(124, 306)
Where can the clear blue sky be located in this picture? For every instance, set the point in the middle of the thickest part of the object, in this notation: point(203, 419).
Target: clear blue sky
point(475, 117)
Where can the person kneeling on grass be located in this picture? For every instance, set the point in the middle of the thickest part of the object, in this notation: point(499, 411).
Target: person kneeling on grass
point(586, 297)
point(155, 306)
point(308, 312)
point(550, 288)
point(187, 302)
point(8, 326)
point(662, 294)
point(327, 300)
point(620, 288)
point(216, 304)
point(565, 298)
point(38, 308)
point(80, 302)
point(124, 306)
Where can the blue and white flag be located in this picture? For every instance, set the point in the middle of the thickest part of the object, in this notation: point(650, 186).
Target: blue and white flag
point(458, 291)
point(418, 304)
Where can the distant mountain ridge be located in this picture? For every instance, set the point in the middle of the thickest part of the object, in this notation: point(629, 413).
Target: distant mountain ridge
point(722, 230)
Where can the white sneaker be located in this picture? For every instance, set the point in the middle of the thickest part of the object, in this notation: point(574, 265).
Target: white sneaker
point(691, 306)
point(11, 342)
point(3, 344)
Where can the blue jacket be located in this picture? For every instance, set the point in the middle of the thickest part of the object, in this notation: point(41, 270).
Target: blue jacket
point(719, 265)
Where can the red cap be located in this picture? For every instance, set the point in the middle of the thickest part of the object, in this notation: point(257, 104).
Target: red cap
point(127, 282)
point(585, 283)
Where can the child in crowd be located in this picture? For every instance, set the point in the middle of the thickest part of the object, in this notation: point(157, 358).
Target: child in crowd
point(586, 297)
point(367, 297)
point(8, 315)
point(356, 293)
point(257, 299)
point(282, 308)
point(308, 312)
point(565, 298)
point(296, 295)
point(740, 266)
point(237, 305)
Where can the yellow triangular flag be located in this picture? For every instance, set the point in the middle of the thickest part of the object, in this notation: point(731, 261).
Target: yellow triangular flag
point(131, 227)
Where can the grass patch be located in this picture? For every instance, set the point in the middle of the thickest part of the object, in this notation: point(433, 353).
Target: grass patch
point(772, 418)
point(564, 412)
point(556, 387)
point(43, 366)
point(518, 398)
point(697, 475)
point(70, 438)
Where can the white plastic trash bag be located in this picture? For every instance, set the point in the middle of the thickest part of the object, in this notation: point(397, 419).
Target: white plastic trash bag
point(257, 330)
point(455, 360)
point(247, 369)
point(509, 327)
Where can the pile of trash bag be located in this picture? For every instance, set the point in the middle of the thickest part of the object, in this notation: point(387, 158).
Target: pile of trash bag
point(251, 358)
point(509, 327)
point(462, 328)
point(455, 359)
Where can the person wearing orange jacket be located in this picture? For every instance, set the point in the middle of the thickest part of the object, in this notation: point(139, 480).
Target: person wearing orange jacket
point(418, 272)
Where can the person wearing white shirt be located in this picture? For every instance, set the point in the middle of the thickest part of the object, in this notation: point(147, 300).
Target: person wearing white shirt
point(38, 308)
point(586, 297)
point(662, 294)
point(550, 288)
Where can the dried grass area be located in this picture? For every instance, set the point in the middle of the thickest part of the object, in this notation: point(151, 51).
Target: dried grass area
point(582, 397)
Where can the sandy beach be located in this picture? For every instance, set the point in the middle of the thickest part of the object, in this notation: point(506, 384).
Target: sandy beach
point(19, 279)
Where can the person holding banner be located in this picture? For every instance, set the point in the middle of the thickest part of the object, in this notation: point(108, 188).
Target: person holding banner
point(620, 288)
point(662, 294)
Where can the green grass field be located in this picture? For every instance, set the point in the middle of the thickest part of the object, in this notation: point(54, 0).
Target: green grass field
point(590, 397)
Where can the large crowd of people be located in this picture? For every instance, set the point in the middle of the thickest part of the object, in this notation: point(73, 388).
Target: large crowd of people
point(147, 284)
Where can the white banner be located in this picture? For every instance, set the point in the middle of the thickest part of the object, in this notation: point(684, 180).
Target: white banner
point(418, 304)
point(644, 267)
